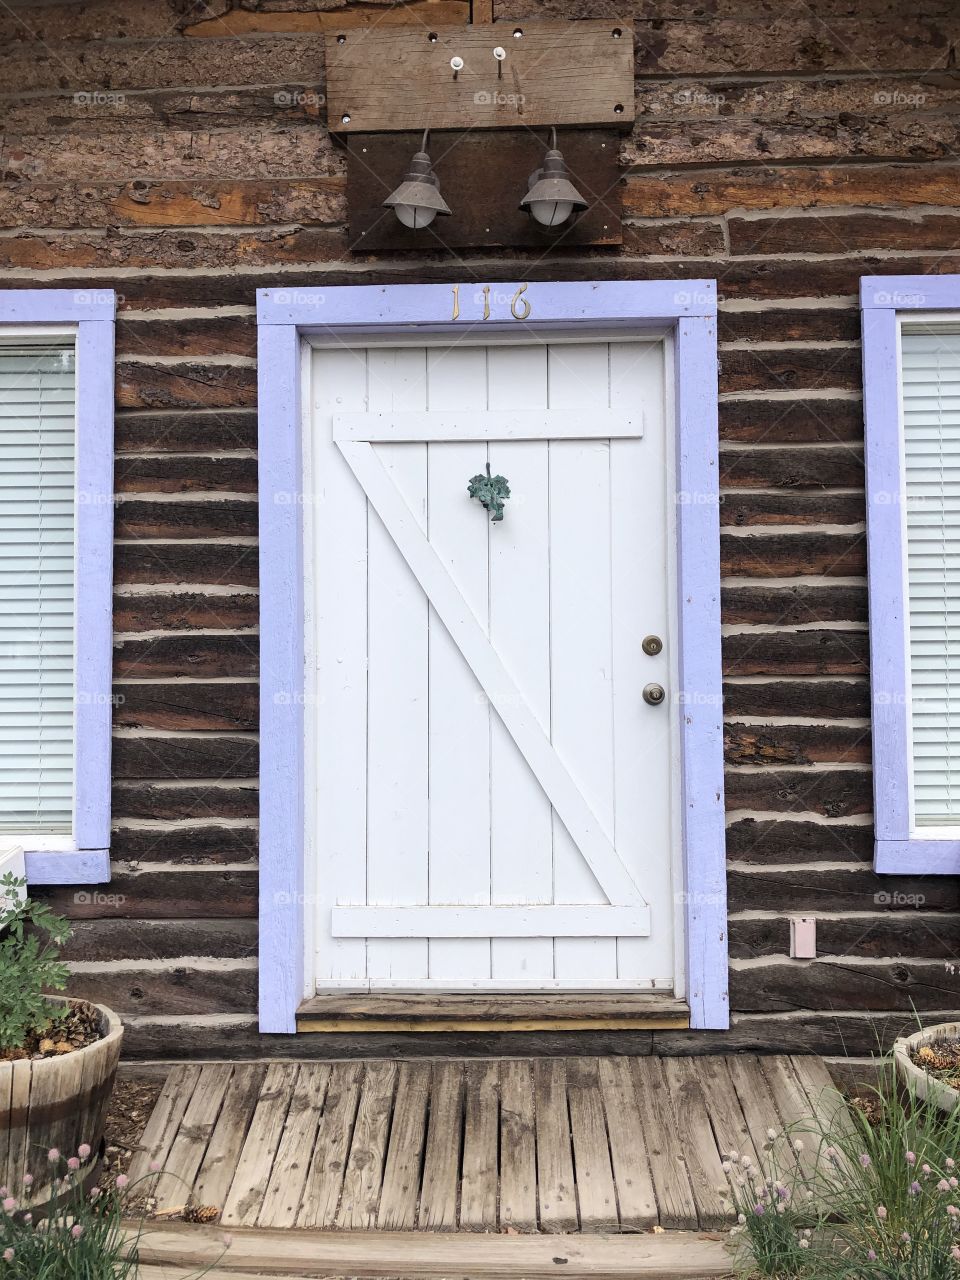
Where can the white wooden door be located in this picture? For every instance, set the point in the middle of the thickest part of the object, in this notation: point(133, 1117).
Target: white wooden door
point(489, 797)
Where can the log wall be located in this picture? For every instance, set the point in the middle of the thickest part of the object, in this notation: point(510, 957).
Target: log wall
point(176, 153)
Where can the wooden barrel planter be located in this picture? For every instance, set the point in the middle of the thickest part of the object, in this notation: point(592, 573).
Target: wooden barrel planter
point(927, 1086)
point(55, 1102)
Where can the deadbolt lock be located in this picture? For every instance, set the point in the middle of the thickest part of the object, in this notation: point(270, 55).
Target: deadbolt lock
point(654, 694)
point(652, 645)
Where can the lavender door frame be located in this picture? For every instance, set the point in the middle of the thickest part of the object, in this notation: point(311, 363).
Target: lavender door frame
point(91, 313)
point(284, 317)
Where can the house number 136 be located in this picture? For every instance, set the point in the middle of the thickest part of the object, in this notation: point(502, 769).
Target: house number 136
point(519, 305)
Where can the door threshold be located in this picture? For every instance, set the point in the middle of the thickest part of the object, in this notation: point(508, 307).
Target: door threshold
point(336, 1011)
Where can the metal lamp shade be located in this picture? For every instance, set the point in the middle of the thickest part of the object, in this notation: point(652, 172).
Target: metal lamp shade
point(420, 192)
point(551, 186)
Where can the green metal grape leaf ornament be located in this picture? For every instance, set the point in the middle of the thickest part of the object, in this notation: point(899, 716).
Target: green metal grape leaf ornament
point(491, 492)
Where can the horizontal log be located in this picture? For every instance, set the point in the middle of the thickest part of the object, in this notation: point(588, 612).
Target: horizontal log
point(185, 990)
point(239, 22)
point(787, 555)
point(185, 756)
point(175, 474)
point(809, 890)
point(184, 707)
point(186, 611)
point(789, 324)
point(188, 801)
point(835, 793)
point(160, 939)
point(795, 744)
point(187, 846)
point(201, 202)
point(791, 421)
point(186, 432)
point(781, 234)
point(836, 1033)
point(190, 386)
point(790, 368)
point(809, 467)
point(712, 191)
point(744, 508)
point(94, 20)
point(201, 657)
point(681, 238)
point(161, 895)
point(786, 606)
point(769, 841)
point(824, 699)
point(139, 518)
point(796, 653)
point(872, 937)
point(224, 564)
point(197, 336)
point(832, 984)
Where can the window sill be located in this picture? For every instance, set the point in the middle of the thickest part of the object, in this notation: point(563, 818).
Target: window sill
point(917, 857)
point(67, 866)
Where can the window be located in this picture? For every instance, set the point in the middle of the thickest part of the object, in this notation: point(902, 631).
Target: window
point(911, 341)
point(56, 448)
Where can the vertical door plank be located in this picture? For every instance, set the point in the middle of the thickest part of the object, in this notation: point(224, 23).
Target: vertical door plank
point(521, 834)
point(678, 1209)
point(518, 1151)
point(321, 1194)
point(726, 1116)
point(581, 680)
point(161, 1129)
point(250, 1181)
point(636, 1198)
point(441, 1165)
point(368, 1151)
point(697, 1141)
point(289, 1173)
point(478, 1189)
point(226, 1141)
point(596, 1193)
point(459, 715)
point(642, 570)
point(175, 1184)
point(397, 833)
point(401, 1178)
point(556, 1187)
point(335, 713)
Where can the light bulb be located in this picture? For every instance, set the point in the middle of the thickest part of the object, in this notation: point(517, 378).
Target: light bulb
point(550, 213)
point(414, 215)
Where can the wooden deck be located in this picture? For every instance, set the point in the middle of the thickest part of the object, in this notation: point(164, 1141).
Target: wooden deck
point(551, 1145)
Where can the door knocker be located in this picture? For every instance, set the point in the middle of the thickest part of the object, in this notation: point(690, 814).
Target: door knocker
point(491, 492)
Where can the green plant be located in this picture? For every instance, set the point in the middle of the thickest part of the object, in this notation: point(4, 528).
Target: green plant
point(72, 1234)
point(30, 938)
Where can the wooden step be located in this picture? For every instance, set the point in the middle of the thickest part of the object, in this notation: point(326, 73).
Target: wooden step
point(367, 1255)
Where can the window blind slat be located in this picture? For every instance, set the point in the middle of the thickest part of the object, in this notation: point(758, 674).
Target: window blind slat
point(37, 515)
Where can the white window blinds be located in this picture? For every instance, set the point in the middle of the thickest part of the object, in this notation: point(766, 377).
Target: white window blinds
point(931, 418)
point(37, 428)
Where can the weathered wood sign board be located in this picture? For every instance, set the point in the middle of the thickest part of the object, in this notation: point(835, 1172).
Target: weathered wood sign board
point(482, 178)
point(554, 73)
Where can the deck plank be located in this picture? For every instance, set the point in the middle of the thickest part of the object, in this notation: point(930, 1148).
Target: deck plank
point(441, 1164)
point(401, 1178)
point(478, 1183)
point(697, 1141)
point(321, 1193)
point(368, 1151)
point(675, 1199)
point(636, 1198)
point(795, 1111)
point(175, 1185)
point(246, 1193)
point(556, 1188)
point(518, 1147)
point(756, 1102)
point(281, 1200)
point(226, 1142)
point(726, 1115)
point(596, 1194)
point(163, 1125)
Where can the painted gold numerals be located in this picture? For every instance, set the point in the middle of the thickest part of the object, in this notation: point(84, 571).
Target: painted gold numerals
point(519, 305)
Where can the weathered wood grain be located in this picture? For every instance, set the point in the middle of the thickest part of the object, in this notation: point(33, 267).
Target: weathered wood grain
point(796, 744)
point(835, 793)
point(797, 420)
point(787, 555)
point(221, 564)
point(798, 603)
point(202, 431)
point(184, 756)
point(190, 893)
point(822, 984)
point(768, 841)
point(874, 937)
point(183, 990)
point(849, 232)
point(133, 940)
point(745, 508)
point(789, 368)
point(831, 652)
point(176, 707)
point(185, 844)
point(186, 611)
point(184, 800)
point(821, 698)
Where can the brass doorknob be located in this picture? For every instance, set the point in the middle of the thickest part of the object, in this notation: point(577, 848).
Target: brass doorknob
point(654, 694)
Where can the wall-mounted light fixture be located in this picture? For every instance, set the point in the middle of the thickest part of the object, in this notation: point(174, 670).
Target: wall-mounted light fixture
point(552, 197)
point(417, 200)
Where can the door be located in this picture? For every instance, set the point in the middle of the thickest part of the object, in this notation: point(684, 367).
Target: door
point(490, 799)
